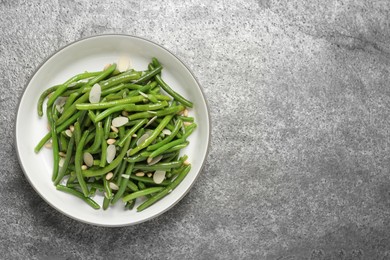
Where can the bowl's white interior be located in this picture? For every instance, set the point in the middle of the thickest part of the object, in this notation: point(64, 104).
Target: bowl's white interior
point(92, 54)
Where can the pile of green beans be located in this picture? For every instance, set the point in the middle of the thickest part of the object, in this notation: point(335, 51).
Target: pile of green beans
point(147, 164)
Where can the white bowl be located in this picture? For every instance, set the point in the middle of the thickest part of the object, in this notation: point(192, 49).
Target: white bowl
point(92, 54)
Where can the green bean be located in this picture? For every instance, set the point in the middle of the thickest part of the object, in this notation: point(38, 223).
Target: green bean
point(112, 135)
point(103, 153)
point(121, 132)
point(130, 107)
point(136, 158)
point(63, 143)
point(167, 139)
point(153, 136)
point(72, 178)
point(98, 139)
point(163, 112)
point(78, 163)
point(132, 186)
point(148, 75)
point(92, 116)
point(68, 113)
point(103, 105)
point(97, 186)
point(66, 161)
point(42, 98)
point(142, 186)
point(108, 192)
point(111, 166)
point(165, 191)
point(107, 126)
point(121, 171)
point(131, 132)
point(112, 97)
point(165, 147)
point(77, 132)
point(121, 78)
point(141, 193)
point(54, 141)
point(188, 130)
point(186, 118)
point(130, 205)
point(149, 180)
point(123, 184)
point(106, 203)
point(177, 147)
point(173, 93)
point(78, 194)
point(158, 166)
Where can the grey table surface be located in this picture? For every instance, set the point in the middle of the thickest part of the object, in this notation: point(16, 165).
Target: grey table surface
point(299, 98)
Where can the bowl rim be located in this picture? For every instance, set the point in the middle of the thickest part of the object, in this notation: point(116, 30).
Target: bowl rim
point(99, 36)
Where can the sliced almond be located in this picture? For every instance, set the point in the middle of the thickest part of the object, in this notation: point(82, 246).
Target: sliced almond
point(134, 135)
point(114, 129)
point(123, 63)
point(186, 163)
point(95, 93)
point(71, 128)
point(62, 154)
point(143, 94)
point(111, 141)
point(187, 123)
point(109, 176)
point(88, 159)
point(111, 151)
point(125, 113)
point(68, 132)
point(84, 167)
point(166, 131)
point(126, 176)
point(128, 152)
point(159, 176)
point(151, 121)
point(154, 160)
point(48, 145)
point(185, 112)
point(113, 186)
point(142, 138)
point(61, 162)
point(140, 174)
point(149, 174)
point(120, 121)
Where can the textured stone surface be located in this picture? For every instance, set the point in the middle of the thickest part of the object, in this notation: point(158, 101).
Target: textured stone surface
point(299, 160)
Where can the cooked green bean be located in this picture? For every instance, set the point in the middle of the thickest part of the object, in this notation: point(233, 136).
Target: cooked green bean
point(123, 184)
point(78, 194)
point(78, 162)
point(149, 180)
point(98, 139)
point(54, 142)
point(132, 186)
point(158, 166)
point(173, 93)
point(165, 191)
point(142, 193)
point(42, 98)
point(162, 112)
point(166, 147)
point(68, 157)
point(130, 107)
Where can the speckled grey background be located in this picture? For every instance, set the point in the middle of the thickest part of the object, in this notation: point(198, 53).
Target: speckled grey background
point(299, 160)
